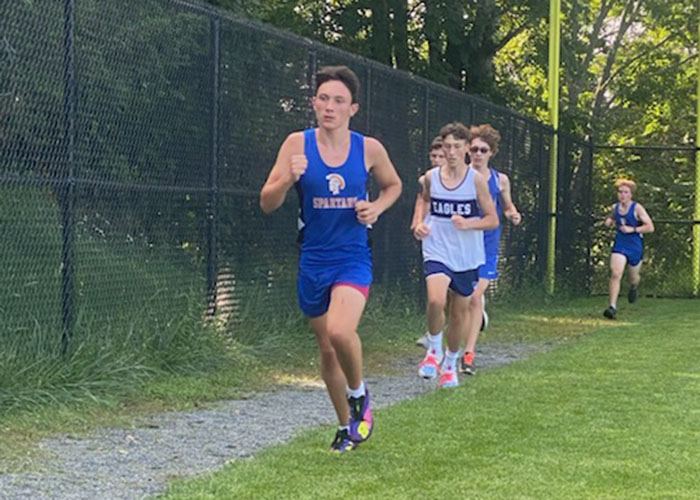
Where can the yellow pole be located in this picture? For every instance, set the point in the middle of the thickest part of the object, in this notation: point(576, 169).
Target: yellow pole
point(696, 215)
point(553, 83)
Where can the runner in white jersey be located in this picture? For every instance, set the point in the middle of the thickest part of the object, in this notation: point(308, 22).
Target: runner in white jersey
point(453, 249)
point(421, 207)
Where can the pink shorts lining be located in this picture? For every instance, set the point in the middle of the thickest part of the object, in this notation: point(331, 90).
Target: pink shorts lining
point(363, 289)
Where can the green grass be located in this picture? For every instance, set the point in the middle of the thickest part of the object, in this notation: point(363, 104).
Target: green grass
point(612, 414)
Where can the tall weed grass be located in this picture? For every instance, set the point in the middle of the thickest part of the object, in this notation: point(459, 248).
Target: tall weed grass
point(108, 359)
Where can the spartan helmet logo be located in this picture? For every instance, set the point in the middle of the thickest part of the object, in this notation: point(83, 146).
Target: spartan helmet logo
point(336, 183)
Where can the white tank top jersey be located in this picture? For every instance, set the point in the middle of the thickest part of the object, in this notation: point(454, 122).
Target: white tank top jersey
point(458, 249)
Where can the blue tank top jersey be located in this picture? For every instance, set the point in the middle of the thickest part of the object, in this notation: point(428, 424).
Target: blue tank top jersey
point(631, 241)
point(329, 230)
point(492, 237)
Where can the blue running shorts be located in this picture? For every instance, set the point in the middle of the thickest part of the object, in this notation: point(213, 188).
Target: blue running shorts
point(316, 282)
point(489, 269)
point(462, 283)
point(634, 256)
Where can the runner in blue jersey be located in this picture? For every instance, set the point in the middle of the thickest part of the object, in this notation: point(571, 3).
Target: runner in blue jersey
point(484, 144)
point(453, 249)
point(329, 167)
point(632, 222)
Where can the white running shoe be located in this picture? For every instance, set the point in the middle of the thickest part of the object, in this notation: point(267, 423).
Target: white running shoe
point(424, 341)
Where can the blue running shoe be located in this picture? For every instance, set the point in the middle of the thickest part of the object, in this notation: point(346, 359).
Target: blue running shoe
point(342, 442)
point(361, 424)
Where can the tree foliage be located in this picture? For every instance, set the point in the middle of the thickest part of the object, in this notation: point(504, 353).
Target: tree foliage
point(627, 65)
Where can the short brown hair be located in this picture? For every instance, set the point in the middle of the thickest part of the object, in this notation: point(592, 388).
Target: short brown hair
point(626, 182)
point(342, 74)
point(436, 144)
point(457, 130)
point(488, 134)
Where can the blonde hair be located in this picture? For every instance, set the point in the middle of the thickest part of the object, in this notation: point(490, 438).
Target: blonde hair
point(626, 182)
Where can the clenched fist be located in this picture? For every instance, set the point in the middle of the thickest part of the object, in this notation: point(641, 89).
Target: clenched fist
point(514, 217)
point(298, 166)
point(421, 231)
point(460, 222)
point(367, 213)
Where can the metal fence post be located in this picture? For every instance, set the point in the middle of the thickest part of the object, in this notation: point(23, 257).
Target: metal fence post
point(591, 216)
point(427, 142)
point(212, 263)
point(67, 186)
point(311, 81)
point(368, 100)
point(696, 213)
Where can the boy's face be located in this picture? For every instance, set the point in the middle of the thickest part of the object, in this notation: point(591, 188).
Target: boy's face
point(333, 105)
point(455, 150)
point(624, 194)
point(437, 157)
point(480, 152)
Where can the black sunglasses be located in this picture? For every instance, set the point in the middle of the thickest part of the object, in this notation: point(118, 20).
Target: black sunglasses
point(481, 150)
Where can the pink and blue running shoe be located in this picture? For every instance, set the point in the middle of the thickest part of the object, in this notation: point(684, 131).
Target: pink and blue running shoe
point(361, 424)
point(342, 442)
point(448, 378)
point(430, 366)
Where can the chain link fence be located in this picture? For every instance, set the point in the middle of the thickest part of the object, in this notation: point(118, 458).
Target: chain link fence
point(135, 137)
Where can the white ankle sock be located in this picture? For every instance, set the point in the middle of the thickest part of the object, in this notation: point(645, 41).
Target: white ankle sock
point(436, 344)
point(450, 362)
point(356, 393)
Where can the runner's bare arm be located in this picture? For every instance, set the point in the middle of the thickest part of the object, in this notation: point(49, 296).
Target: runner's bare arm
point(377, 159)
point(647, 224)
point(509, 209)
point(420, 207)
point(289, 166)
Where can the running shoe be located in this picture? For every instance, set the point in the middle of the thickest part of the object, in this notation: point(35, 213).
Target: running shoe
point(633, 294)
point(466, 364)
point(448, 378)
point(342, 442)
point(424, 341)
point(430, 366)
point(361, 424)
point(610, 312)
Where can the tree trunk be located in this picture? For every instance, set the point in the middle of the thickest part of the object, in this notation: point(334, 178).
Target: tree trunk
point(380, 41)
point(400, 33)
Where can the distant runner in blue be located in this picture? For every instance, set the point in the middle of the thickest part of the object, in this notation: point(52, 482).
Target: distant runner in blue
point(329, 167)
point(632, 222)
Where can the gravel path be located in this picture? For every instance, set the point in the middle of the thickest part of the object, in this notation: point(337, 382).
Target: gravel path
point(135, 463)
